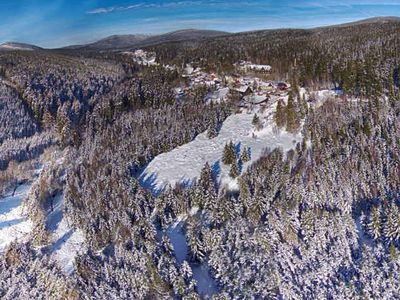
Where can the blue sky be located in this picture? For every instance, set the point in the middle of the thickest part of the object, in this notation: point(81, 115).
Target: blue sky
point(54, 23)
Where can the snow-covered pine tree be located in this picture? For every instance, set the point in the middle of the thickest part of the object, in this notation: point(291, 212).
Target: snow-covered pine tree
point(207, 187)
point(292, 117)
point(212, 131)
point(186, 270)
point(280, 118)
point(392, 223)
point(245, 155)
point(206, 178)
point(234, 171)
point(375, 223)
point(229, 154)
point(256, 120)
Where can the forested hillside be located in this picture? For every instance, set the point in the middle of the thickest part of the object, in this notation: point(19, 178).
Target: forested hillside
point(361, 58)
point(302, 203)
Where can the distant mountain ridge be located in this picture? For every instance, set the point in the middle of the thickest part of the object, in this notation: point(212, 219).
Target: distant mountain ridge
point(113, 41)
point(374, 20)
point(12, 46)
point(133, 40)
point(123, 42)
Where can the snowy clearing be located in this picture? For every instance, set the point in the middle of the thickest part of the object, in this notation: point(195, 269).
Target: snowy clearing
point(206, 285)
point(184, 163)
point(67, 241)
point(14, 225)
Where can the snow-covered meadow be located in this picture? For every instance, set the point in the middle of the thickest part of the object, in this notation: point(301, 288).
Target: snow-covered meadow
point(184, 163)
point(14, 225)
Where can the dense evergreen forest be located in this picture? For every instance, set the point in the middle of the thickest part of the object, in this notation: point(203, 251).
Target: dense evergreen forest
point(320, 221)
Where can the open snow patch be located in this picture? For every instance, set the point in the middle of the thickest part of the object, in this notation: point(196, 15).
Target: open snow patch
point(14, 225)
point(206, 285)
point(68, 242)
point(183, 164)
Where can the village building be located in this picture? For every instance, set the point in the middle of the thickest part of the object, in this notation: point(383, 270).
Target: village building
point(218, 95)
point(249, 66)
point(244, 90)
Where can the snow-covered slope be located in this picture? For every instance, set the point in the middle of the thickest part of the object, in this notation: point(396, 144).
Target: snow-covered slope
point(11, 46)
point(13, 223)
point(67, 241)
point(206, 285)
point(183, 164)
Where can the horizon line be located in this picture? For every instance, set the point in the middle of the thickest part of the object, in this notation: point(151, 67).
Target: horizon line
point(88, 42)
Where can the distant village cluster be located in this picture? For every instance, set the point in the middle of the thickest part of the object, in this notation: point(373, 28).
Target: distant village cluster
point(252, 89)
point(246, 82)
point(142, 57)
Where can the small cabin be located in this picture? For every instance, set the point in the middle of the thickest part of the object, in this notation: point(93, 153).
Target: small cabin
point(245, 90)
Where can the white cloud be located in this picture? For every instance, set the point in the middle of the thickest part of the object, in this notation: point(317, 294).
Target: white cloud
point(105, 10)
point(101, 10)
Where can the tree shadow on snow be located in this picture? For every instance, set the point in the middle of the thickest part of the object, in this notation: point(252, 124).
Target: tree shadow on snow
point(149, 182)
point(58, 244)
point(237, 148)
point(185, 183)
point(10, 223)
point(216, 169)
point(249, 151)
point(54, 219)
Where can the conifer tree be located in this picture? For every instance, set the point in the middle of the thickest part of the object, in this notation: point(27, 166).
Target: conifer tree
point(229, 154)
point(392, 224)
point(280, 114)
point(391, 88)
point(212, 131)
point(207, 187)
point(256, 121)
point(292, 118)
point(393, 252)
point(234, 171)
point(206, 180)
point(374, 225)
point(245, 155)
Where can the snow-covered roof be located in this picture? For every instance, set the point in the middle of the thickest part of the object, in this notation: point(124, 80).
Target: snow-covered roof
point(218, 95)
point(242, 88)
point(260, 67)
point(255, 99)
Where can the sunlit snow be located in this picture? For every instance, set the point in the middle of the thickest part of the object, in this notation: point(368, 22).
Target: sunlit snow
point(14, 225)
point(184, 163)
point(67, 241)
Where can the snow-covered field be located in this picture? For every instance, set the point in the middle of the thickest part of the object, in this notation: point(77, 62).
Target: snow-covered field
point(184, 163)
point(13, 223)
point(67, 241)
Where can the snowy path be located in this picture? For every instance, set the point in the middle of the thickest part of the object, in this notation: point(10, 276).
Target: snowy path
point(13, 223)
point(184, 163)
